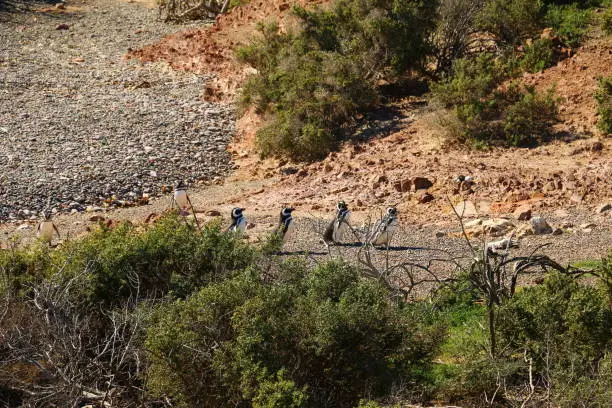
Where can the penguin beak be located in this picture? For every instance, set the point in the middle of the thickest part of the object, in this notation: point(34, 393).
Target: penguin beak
point(290, 209)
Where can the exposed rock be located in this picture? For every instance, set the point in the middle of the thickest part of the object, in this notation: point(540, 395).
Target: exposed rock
point(440, 234)
point(403, 186)
point(497, 227)
point(597, 146)
point(62, 26)
point(421, 183)
point(603, 208)
point(557, 231)
point(473, 223)
point(587, 225)
point(289, 170)
point(212, 213)
point(540, 226)
point(465, 209)
point(424, 197)
point(96, 218)
point(523, 212)
point(524, 230)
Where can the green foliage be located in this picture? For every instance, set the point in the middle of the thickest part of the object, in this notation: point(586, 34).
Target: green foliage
point(569, 21)
point(327, 335)
point(606, 20)
point(313, 81)
point(511, 21)
point(538, 56)
point(529, 119)
point(603, 96)
point(117, 263)
point(565, 328)
point(491, 113)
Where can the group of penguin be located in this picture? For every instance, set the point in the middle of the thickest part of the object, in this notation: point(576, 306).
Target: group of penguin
point(381, 235)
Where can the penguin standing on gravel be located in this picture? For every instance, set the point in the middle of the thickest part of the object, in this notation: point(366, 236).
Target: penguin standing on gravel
point(182, 201)
point(239, 221)
point(338, 226)
point(46, 227)
point(385, 228)
point(285, 223)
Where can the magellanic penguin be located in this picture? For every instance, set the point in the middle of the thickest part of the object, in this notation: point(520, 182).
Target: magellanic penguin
point(182, 201)
point(239, 221)
point(338, 226)
point(285, 223)
point(46, 228)
point(385, 228)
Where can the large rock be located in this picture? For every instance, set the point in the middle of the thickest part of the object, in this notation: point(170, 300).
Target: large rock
point(465, 209)
point(540, 226)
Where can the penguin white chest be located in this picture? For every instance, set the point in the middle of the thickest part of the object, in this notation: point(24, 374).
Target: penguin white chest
point(180, 197)
point(240, 225)
point(45, 231)
point(341, 227)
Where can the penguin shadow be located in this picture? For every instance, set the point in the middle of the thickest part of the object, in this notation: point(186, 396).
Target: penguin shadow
point(348, 244)
point(301, 252)
point(401, 248)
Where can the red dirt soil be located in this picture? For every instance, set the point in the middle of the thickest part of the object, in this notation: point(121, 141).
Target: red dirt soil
point(211, 49)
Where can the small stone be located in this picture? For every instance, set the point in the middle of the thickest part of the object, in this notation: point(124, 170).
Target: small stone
point(424, 197)
point(587, 225)
point(421, 183)
point(440, 234)
point(62, 26)
point(540, 226)
point(603, 208)
point(60, 6)
point(597, 147)
point(402, 186)
point(289, 170)
point(213, 213)
point(557, 231)
point(97, 218)
point(523, 212)
point(250, 225)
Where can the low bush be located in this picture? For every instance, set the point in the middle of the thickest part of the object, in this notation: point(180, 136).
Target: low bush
point(569, 22)
point(511, 21)
point(323, 337)
point(603, 96)
point(565, 329)
point(491, 113)
point(538, 56)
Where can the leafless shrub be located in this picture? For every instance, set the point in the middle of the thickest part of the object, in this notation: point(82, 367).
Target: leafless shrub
point(184, 10)
point(56, 352)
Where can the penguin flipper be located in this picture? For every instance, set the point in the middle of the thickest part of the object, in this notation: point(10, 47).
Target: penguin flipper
point(328, 235)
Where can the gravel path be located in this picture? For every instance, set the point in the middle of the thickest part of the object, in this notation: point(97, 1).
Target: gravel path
point(81, 126)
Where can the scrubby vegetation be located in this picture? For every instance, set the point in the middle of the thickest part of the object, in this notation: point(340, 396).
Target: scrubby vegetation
point(167, 315)
point(603, 96)
point(313, 81)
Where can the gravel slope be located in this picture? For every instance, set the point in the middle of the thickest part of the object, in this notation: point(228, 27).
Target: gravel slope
point(81, 125)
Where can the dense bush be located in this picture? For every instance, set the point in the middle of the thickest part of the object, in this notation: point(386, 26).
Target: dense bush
point(569, 21)
point(318, 338)
point(603, 96)
point(511, 21)
point(491, 113)
point(565, 329)
point(313, 81)
point(538, 55)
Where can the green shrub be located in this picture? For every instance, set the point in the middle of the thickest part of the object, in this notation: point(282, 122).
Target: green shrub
point(603, 96)
point(606, 21)
point(323, 337)
point(529, 119)
point(313, 81)
point(569, 21)
point(565, 328)
point(539, 55)
point(511, 21)
point(491, 113)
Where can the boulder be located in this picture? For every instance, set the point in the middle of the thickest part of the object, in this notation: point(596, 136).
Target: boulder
point(540, 226)
point(424, 197)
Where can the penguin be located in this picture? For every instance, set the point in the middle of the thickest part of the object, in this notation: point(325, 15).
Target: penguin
point(385, 228)
point(285, 223)
point(46, 227)
point(180, 197)
point(182, 201)
point(338, 226)
point(239, 221)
